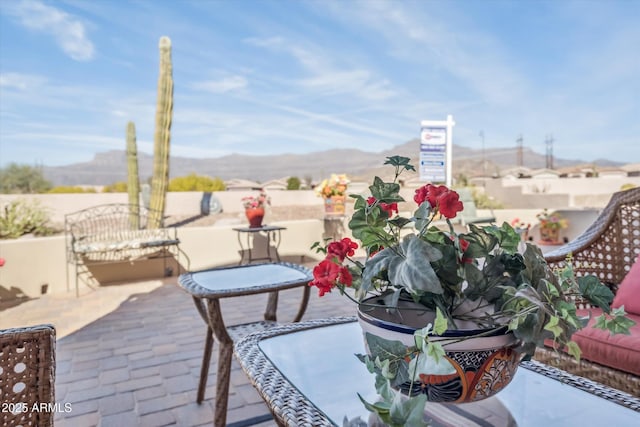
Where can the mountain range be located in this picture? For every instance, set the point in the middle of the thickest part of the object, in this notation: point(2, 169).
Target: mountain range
point(111, 166)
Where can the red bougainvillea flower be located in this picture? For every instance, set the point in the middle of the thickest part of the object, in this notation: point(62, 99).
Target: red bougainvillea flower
point(325, 275)
point(341, 249)
point(430, 193)
point(421, 194)
point(434, 193)
point(371, 200)
point(389, 208)
point(449, 204)
point(345, 276)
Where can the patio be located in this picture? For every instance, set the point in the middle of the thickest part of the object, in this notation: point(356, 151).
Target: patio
point(130, 355)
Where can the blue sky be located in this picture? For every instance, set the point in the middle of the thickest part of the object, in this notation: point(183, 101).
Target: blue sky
point(268, 77)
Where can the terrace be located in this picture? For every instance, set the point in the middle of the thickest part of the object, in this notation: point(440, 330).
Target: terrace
point(130, 354)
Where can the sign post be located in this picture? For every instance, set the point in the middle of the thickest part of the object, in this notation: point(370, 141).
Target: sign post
point(436, 150)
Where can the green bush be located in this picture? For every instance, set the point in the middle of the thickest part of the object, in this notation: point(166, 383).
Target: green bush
point(63, 189)
point(293, 183)
point(483, 201)
point(193, 182)
point(627, 186)
point(117, 187)
point(22, 179)
point(22, 216)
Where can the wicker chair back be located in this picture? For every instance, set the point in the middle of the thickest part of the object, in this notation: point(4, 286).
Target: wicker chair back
point(27, 376)
point(609, 247)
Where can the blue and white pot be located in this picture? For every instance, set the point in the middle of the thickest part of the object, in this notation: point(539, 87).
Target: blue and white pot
point(483, 365)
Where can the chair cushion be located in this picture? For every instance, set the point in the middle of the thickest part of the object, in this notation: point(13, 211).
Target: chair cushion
point(619, 351)
point(628, 293)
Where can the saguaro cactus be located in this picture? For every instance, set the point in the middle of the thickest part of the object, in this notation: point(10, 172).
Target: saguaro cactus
point(162, 135)
point(133, 180)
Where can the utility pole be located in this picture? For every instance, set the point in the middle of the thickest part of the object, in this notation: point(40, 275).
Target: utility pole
point(549, 151)
point(484, 164)
point(519, 152)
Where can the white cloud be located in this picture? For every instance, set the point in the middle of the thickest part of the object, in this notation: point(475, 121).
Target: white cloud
point(329, 74)
point(67, 30)
point(226, 84)
point(472, 57)
point(359, 81)
point(21, 81)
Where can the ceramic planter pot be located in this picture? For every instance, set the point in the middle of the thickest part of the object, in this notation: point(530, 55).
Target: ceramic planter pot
point(548, 234)
point(483, 365)
point(255, 216)
point(334, 206)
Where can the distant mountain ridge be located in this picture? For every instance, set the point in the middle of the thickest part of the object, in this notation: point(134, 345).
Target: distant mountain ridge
point(111, 166)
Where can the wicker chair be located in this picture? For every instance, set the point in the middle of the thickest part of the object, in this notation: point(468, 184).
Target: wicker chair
point(607, 249)
point(27, 374)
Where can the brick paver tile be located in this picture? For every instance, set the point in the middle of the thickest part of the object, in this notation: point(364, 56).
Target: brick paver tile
point(116, 403)
point(158, 419)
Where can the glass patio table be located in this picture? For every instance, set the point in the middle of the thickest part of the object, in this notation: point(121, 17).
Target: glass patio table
point(207, 287)
point(308, 374)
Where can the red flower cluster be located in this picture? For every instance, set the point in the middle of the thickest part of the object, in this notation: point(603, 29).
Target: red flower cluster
point(387, 207)
point(445, 200)
point(330, 273)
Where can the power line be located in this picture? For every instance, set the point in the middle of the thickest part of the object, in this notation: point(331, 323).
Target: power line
point(549, 151)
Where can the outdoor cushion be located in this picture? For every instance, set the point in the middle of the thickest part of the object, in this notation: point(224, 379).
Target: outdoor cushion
point(628, 293)
point(619, 351)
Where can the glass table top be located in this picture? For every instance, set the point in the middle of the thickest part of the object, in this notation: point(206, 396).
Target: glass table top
point(321, 364)
point(245, 277)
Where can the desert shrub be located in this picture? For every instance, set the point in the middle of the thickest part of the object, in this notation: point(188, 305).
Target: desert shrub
point(64, 189)
point(22, 216)
point(116, 187)
point(22, 179)
point(483, 201)
point(193, 182)
point(293, 183)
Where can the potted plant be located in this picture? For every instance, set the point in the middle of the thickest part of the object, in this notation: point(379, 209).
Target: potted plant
point(333, 191)
point(447, 315)
point(254, 208)
point(550, 226)
point(521, 228)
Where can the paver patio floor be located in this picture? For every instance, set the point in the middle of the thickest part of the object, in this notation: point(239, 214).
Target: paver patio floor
point(130, 355)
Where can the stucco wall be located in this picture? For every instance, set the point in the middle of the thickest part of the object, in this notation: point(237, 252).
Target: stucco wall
point(178, 203)
point(33, 262)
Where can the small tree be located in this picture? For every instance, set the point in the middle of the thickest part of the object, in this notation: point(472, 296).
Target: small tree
point(23, 179)
point(293, 183)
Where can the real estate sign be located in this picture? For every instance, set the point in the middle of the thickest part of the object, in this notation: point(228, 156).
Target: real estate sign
point(435, 150)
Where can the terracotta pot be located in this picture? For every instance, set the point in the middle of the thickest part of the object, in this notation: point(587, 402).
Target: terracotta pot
point(334, 205)
point(483, 365)
point(255, 216)
point(551, 235)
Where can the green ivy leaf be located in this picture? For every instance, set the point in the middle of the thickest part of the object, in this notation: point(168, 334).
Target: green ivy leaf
point(596, 292)
point(617, 323)
point(414, 272)
point(435, 351)
point(387, 192)
point(408, 412)
point(399, 221)
point(574, 349)
point(552, 326)
point(440, 325)
point(401, 162)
